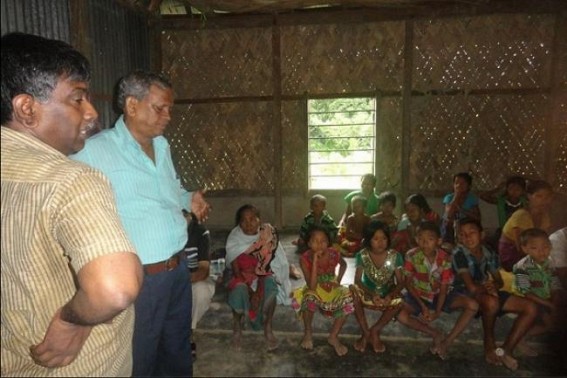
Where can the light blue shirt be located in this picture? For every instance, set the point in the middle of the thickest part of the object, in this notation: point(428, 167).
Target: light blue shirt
point(149, 196)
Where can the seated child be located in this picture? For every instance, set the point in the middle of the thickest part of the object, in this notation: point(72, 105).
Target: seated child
point(367, 186)
point(508, 197)
point(350, 237)
point(537, 280)
point(462, 203)
point(428, 276)
point(386, 213)
point(404, 238)
point(317, 216)
point(478, 275)
point(378, 283)
point(323, 289)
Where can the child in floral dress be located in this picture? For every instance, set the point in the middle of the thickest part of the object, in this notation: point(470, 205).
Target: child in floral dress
point(378, 283)
point(323, 290)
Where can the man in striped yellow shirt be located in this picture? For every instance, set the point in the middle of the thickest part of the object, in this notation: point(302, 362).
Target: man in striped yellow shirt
point(69, 272)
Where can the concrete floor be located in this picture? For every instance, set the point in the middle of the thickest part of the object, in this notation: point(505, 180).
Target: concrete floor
point(407, 352)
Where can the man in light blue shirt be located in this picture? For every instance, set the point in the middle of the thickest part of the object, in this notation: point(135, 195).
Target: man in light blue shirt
point(136, 158)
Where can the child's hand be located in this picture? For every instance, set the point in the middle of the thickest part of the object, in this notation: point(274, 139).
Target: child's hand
point(491, 288)
point(425, 315)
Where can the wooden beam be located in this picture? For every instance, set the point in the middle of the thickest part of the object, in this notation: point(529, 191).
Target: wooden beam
point(406, 107)
point(277, 132)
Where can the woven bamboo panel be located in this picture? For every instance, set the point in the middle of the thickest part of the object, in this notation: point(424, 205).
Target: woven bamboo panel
point(560, 159)
point(224, 146)
point(501, 51)
point(294, 147)
point(389, 144)
point(218, 63)
point(490, 136)
point(342, 58)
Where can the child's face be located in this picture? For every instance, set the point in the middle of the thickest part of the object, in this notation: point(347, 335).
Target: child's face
point(540, 200)
point(318, 241)
point(413, 212)
point(428, 241)
point(460, 185)
point(387, 208)
point(379, 241)
point(358, 207)
point(367, 186)
point(318, 207)
point(538, 248)
point(470, 236)
point(514, 192)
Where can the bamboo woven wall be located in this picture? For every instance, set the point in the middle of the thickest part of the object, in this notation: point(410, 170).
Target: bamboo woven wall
point(482, 100)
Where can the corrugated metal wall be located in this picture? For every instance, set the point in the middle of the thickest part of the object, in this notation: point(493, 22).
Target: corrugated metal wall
point(46, 18)
point(117, 38)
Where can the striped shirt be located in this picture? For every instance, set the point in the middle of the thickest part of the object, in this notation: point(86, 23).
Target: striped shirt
point(56, 213)
point(149, 195)
point(427, 277)
point(534, 278)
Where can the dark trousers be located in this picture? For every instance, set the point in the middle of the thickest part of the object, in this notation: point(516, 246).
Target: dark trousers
point(162, 330)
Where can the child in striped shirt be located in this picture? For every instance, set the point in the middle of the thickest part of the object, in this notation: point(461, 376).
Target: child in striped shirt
point(429, 275)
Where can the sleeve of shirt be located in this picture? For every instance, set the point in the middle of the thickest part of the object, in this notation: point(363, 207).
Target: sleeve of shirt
point(358, 259)
point(87, 223)
point(522, 279)
point(447, 199)
point(460, 263)
point(409, 268)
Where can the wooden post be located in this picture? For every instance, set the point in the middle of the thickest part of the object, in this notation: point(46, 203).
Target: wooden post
point(406, 107)
point(277, 120)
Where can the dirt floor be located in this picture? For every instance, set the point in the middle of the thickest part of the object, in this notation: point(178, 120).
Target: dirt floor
point(407, 352)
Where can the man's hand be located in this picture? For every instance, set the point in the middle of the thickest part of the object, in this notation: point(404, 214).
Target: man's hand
point(61, 344)
point(199, 206)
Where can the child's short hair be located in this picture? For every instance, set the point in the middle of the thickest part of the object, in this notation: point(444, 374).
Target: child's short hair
point(532, 233)
point(474, 222)
point(465, 176)
point(369, 176)
point(315, 228)
point(387, 197)
point(317, 198)
point(429, 226)
point(371, 228)
point(516, 180)
point(533, 186)
point(360, 198)
point(418, 200)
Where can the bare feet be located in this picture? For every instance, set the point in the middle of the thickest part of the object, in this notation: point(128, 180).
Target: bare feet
point(236, 336)
point(491, 358)
point(271, 342)
point(509, 361)
point(340, 349)
point(307, 342)
point(440, 350)
point(360, 344)
point(378, 345)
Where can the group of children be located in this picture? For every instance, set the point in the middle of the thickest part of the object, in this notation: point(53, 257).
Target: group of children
point(418, 267)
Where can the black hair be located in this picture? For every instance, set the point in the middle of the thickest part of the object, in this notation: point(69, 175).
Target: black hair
point(317, 198)
point(517, 180)
point(474, 222)
point(387, 197)
point(33, 65)
point(429, 226)
point(244, 208)
point(465, 176)
point(137, 84)
point(361, 198)
point(371, 228)
point(532, 233)
point(535, 185)
point(315, 228)
point(369, 176)
point(419, 200)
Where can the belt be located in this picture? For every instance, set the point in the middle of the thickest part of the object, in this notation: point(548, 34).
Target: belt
point(165, 265)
